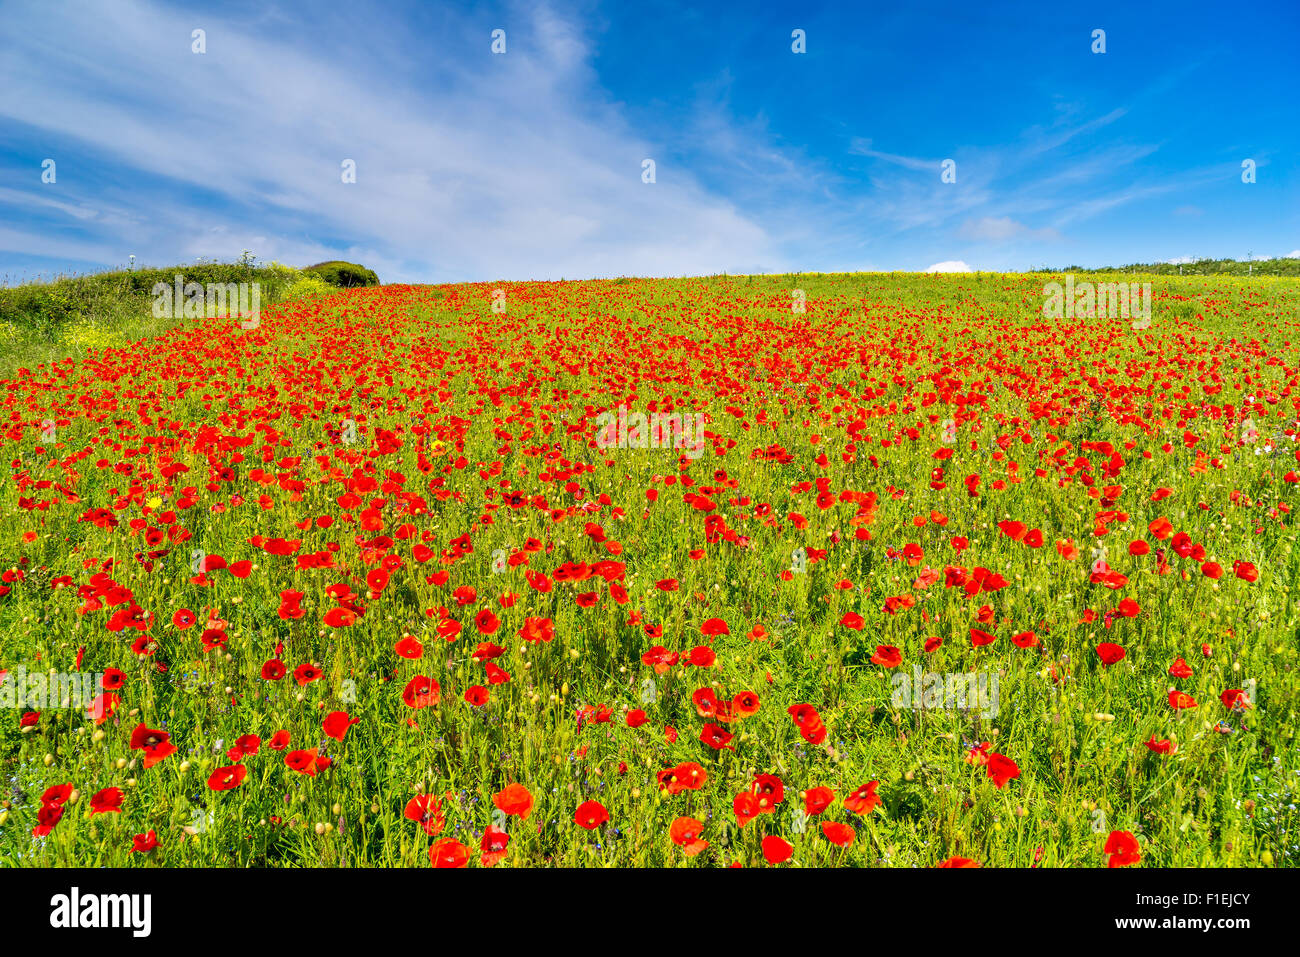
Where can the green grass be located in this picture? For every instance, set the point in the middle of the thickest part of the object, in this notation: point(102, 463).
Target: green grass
point(502, 390)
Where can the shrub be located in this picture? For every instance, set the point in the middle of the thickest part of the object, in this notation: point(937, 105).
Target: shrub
point(344, 275)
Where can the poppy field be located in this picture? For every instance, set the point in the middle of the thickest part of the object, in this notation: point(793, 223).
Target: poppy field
point(813, 570)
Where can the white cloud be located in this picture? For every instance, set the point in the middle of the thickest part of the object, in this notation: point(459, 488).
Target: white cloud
point(1180, 260)
point(1293, 254)
point(510, 166)
point(1002, 229)
point(951, 265)
point(862, 147)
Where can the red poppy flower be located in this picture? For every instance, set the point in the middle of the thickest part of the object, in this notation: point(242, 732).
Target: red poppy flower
point(103, 707)
point(1110, 653)
point(685, 833)
point(537, 630)
point(47, 818)
point(838, 833)
point(1163, 746)
point(816, 800)
point(702, 657)
point(1122, 848)
point(1179, 700)
point(687, 776)
point(1234, 696)
point(245, 745)
point(421, 692)
point(156, 745)
point(340, 617)
point(493, 846)
point(1026, 639)
point(591, 815)
point(426, 811)
point(887, 656)
point(716, 738)
point(1001, 769)
point(746, 807)
point(307, 673)
point(448, 852)
point(304, 762)
point(409, 647)
point(1013, 530)
point(227, 779)
point(864, 799)
point(107, 801)
point(769, 790)
point(777, 850)
point(290, 606)
point(336, 724)
point(705, 701)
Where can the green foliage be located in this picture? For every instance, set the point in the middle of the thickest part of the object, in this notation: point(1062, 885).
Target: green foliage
point(100, 297)
point(1201, 267)
point(343, 274)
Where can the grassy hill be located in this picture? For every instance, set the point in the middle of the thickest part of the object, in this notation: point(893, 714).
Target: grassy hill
point(44, 321)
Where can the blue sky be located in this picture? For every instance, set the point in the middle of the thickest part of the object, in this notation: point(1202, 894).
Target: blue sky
point(528, 165)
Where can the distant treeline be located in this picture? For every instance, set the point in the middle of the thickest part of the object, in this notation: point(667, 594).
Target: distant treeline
point(1201, 267)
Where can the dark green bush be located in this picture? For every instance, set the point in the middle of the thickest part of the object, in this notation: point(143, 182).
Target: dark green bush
point(344, 275)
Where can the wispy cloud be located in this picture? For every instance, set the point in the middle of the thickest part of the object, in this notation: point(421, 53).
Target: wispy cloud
point(997, 229)
point(516, 163)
